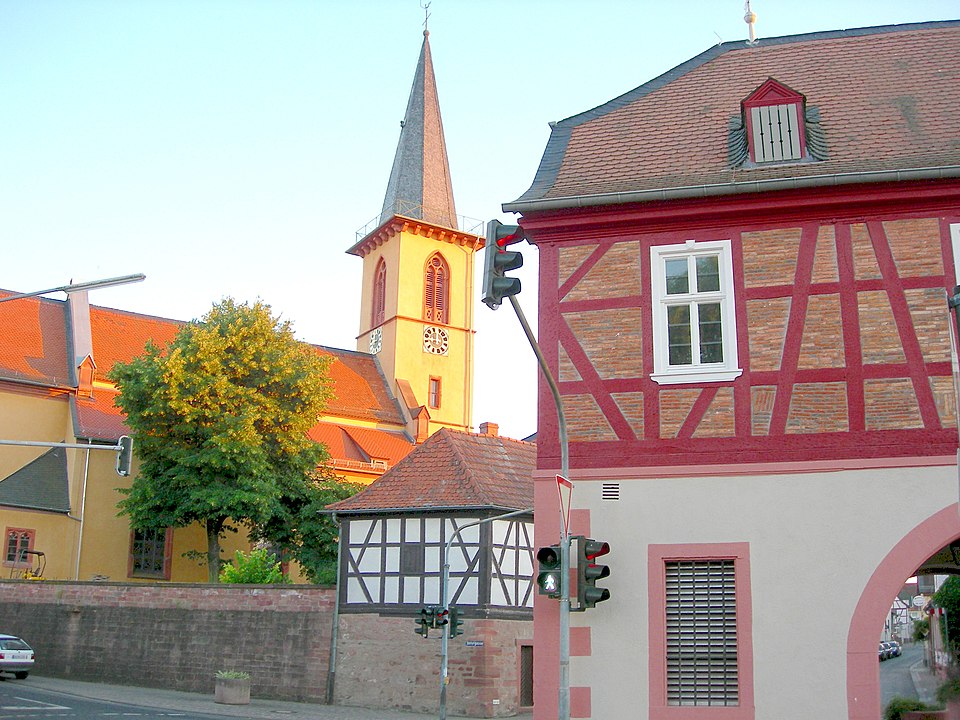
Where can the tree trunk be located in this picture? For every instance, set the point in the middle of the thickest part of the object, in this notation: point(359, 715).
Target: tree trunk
point(214, 528)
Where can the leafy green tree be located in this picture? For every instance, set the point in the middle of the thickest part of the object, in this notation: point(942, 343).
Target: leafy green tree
point(948, 597)
point(221, 419)
point(258, 567)
point(311, 535)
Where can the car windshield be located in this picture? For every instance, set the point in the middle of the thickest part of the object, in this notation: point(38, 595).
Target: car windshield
point(13, 644)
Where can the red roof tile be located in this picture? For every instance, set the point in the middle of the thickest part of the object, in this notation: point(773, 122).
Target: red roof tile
point(887, 99)
point(34, 341)
point(453, 470)
point(34, 348)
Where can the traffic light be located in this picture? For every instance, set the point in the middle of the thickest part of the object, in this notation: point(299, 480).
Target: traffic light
point(588, 572)
point(455, 621)
point(441, 616)
point(124, 455)
point(423, 622)
point(548, 574)
point(497, 261)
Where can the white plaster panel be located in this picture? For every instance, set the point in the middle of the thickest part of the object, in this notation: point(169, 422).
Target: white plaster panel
point(497, 596)
point(471, 592)
point(355, 591)
point(392, 559)
point(391, 590)
point(468, 535)
point(393, 530)
point(500, 531)
point(370, 560)
point(459, 563)
point(411, 590)
point(431, 589)
point(359, 530)
point(431, 560)
point(411, 531)
point(524, 563)
point(432, 530)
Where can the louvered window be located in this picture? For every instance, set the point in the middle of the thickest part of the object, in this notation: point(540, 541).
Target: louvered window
point(701, 633)
point(379, 294)
point(776, 133)
point(436, 290)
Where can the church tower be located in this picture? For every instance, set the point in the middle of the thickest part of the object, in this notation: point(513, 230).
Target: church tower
point(416, 311)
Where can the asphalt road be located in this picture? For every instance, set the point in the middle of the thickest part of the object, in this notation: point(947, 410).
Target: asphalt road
point(18, 699)
point(895, 674)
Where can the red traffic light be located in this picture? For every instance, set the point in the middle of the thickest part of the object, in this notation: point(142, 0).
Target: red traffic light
point(595, 548)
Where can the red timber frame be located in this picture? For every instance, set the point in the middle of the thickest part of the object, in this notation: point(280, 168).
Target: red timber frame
point(728, 218)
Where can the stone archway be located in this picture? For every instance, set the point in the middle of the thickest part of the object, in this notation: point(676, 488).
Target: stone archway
point(863, 671)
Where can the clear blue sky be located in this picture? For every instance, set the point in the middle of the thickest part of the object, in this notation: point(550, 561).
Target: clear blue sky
point(233, 147)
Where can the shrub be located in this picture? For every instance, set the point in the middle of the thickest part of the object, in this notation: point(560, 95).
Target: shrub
point(949, 690)
point(899, 705)
point(233, 675)
point(254, 568)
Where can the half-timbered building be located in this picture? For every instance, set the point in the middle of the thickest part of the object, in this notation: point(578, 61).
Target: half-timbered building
point(393, 541)
point(744, 270)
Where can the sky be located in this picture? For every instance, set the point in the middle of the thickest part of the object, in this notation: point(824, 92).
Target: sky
point(234, 147)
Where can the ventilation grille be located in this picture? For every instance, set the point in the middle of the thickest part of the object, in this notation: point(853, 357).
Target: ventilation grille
point(610, 491)
point(701, 633)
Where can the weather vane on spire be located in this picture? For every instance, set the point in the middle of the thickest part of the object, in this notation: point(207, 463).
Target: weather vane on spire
point(426, 17)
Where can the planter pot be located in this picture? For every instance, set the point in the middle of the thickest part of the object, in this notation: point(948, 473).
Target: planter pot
point(232, 691)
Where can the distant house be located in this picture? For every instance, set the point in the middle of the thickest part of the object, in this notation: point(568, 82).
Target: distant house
point(744, 267)
point(393, 538)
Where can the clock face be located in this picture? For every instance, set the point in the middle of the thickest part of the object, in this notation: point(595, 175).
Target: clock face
point(376, 341)
point(435, 340)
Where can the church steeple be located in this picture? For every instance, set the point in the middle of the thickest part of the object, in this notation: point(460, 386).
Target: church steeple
point(416, 311)
point(419, 185)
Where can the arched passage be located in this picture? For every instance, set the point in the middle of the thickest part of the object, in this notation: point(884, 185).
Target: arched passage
point(863, 672)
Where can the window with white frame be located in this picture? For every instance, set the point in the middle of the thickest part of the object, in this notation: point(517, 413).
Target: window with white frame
point(694, 324)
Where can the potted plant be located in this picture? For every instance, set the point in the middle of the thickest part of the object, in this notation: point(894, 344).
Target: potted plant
point(232, 688)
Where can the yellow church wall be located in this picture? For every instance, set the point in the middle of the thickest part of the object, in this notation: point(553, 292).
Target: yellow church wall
point(402, 355)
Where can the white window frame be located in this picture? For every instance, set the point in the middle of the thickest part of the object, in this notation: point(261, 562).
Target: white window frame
point(729, 368)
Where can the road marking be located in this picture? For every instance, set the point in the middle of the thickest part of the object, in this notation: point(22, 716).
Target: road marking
point(37, 705)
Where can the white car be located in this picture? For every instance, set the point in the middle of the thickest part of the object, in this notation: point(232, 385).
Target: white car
point(15, 656)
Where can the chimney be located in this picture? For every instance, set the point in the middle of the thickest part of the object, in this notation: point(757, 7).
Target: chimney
point(83, 367)
point(489, 428)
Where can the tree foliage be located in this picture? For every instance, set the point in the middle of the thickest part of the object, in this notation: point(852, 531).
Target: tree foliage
point(948, 597)
point(221, 419)
point(258, 567)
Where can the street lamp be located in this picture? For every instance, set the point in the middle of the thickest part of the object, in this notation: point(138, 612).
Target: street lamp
point(77, 287)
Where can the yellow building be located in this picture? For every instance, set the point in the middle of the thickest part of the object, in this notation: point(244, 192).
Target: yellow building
point(410, 376)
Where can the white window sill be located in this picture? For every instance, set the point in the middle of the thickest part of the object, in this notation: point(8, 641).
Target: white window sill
point(698, 375)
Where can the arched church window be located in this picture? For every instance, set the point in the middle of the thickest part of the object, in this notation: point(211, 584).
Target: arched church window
point(379, 294)
point(436, 294)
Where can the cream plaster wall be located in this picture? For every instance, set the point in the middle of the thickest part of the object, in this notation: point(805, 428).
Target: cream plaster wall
point(815, 540)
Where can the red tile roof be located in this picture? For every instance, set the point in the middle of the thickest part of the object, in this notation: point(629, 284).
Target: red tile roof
point(34, 341)
point(453, 470)
point(34, 348)
point(887, 99)
point(345, 442)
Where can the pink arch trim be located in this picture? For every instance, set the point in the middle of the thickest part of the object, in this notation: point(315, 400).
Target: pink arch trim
point(863, 671)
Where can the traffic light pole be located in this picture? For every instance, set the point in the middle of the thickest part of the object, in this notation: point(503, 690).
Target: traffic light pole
point(445, 602)
point(563, 707)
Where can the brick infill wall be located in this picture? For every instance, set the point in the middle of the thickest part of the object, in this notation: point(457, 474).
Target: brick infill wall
point(176, 636)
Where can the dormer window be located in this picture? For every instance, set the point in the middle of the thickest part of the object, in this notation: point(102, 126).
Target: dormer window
point(774, 118)
point(774, 126)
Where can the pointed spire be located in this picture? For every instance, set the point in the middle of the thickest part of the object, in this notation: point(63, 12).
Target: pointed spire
point(419, 185)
